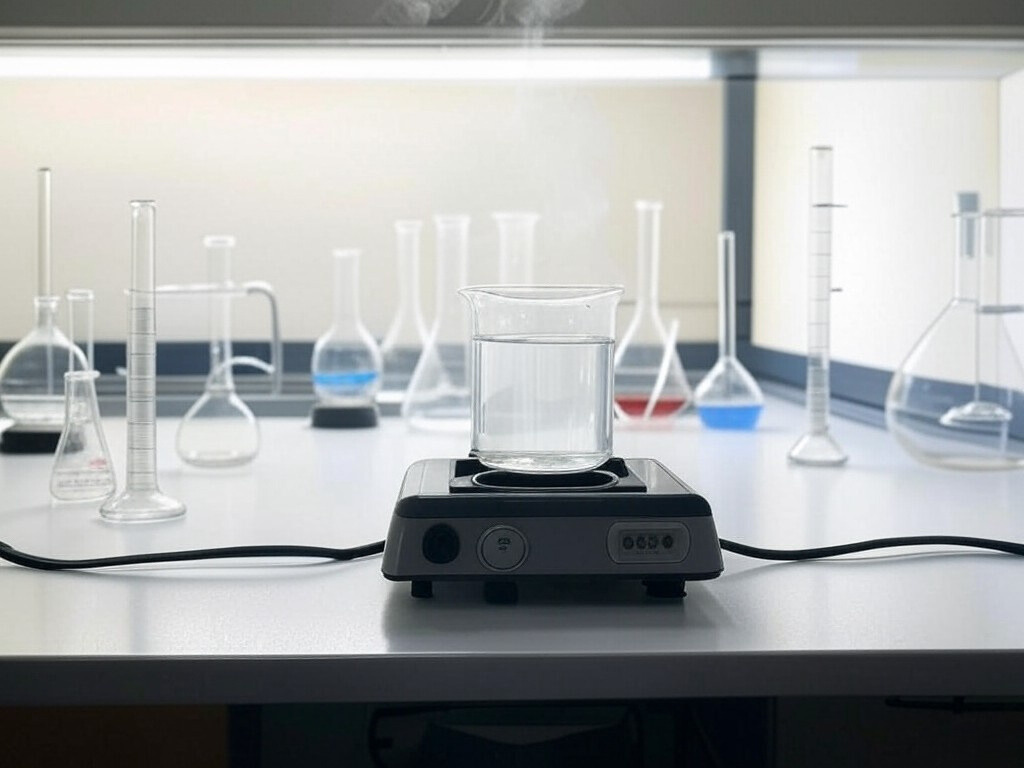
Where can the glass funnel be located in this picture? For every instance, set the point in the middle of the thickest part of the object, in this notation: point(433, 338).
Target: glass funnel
point(728, 397)
point(640, 351)
point(438, 395)
point(542, 376)
point(515, 246)
point(219, 430)
point(346, 361)
point(403, 343)
point(957, 400)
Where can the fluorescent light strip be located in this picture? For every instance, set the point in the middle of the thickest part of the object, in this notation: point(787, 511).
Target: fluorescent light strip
point(453, 64)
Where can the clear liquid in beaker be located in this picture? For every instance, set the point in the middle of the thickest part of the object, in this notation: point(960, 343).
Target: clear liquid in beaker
point(536, 405)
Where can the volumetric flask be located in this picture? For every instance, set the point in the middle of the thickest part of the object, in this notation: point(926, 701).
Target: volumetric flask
point(438, 395)
point(219, 430)
point(640, 351)
point(403, 343)
point(957, 401)
point(728, 397)
point(542, 374)
point(346, 360)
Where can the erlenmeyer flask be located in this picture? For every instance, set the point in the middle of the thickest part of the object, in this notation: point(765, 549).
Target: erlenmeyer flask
point(958, 399)
point(404, 341)
point(640, 351)
point(219, 430)
point(728, 397)
point(82, 468)
point(346, 361)
point(438, 395)
point(515, 246)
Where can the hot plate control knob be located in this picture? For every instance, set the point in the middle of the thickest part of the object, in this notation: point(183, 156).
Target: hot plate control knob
point(440, 544)
point(502, 548)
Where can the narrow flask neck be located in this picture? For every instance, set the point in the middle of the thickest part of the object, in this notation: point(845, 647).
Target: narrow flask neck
point(346, 289)
point(46, 311)
point(515, 247)
point(218, 272)
point(727, 295)
point(967, 261)
point(648, 251)
point(452, 249)
point(409, 273)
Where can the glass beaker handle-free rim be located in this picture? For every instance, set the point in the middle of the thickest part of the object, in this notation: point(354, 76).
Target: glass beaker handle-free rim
point(547, 293)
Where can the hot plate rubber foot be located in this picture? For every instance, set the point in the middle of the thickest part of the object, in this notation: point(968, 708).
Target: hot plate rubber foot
point(501, 592)
point(665, 588)
point(422, 589)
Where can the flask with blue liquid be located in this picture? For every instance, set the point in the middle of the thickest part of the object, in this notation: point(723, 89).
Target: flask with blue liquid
point(728, 397)
point(346, 359)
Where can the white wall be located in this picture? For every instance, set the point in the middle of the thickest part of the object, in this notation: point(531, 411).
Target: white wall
point(295, 168)
point(901, 150)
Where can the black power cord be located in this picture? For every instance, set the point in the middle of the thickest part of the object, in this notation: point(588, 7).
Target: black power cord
point(12, 555)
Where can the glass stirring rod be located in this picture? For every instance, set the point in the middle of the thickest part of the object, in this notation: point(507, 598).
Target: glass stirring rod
point(817, 447)
point(141, 499)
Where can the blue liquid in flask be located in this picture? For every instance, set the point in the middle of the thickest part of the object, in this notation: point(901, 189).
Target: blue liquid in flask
point(730, 416)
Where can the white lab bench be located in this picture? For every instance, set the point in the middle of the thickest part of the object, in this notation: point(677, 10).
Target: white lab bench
point(932, 622)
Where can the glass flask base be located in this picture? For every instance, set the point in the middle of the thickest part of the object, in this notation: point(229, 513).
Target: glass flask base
point(818, 450)
point(978, 445)
point(737, 417)
point(541, 462)
point(344, 417)
point(141, 507)
point(636, 405)
point(33, 439)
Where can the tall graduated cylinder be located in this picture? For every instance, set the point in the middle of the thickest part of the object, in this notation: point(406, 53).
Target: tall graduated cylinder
point(541, 379)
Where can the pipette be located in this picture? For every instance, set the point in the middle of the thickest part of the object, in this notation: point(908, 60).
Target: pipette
point(141, 499)
point(817, 447)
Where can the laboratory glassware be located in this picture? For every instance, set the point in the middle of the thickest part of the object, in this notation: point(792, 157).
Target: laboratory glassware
point(81, 303)
point(406, 336)
point(542, 376)
point(515, 246)
point(957, 400)
point(640, 350)
point(817, 446)
point(82, 468)
point(438, 397)
point(32, 371)
point(728, 397)
point(219, 430)
point(346, 361)
point(141, 499)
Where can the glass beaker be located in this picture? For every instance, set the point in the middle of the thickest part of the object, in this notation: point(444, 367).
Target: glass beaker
point(542, 376)
point(404, 341)
point(728, 397)
point(957, 400)
point(515, 246)
point(219, 430)
point(82, 468)
point(438, 394)
point(346, 360)
point(640, 351)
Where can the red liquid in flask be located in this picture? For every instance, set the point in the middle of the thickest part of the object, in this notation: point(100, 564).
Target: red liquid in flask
point(635, 405)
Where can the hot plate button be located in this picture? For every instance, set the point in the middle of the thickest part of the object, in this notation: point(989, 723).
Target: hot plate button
point(502, 548)
point(440, 544)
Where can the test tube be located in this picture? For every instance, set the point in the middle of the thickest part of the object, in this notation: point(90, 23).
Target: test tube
point(141, 499)
point(817, 447)
point(80, 329)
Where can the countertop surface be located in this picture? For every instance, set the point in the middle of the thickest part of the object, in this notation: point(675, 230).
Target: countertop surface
point(920, 621)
